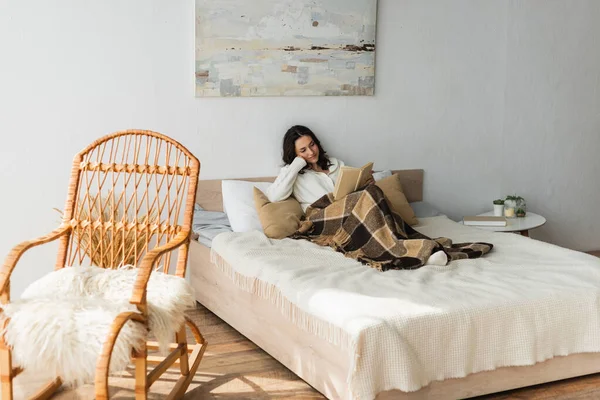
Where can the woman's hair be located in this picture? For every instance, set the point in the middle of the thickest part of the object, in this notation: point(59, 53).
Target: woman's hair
point(289, 146)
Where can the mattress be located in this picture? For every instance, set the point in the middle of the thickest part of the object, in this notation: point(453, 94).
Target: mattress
point(525, 302)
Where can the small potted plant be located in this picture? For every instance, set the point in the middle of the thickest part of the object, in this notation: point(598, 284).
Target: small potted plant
point(520, 212)
point(498, 207)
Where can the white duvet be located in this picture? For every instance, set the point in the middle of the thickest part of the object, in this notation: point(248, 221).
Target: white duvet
point(524, 302)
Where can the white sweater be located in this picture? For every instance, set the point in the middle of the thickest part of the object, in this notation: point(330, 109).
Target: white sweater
point(307, 187)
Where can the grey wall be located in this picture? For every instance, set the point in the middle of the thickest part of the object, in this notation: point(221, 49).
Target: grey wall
point(490, 97)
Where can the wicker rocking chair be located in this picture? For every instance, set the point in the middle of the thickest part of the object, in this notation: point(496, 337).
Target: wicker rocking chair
point(130, 202)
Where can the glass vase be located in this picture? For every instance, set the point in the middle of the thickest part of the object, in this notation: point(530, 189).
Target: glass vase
point(521, 208)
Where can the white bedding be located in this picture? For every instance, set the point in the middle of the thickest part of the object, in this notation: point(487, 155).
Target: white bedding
point(525, 302)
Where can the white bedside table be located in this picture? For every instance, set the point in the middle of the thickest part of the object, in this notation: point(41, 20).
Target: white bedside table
point(521, 225)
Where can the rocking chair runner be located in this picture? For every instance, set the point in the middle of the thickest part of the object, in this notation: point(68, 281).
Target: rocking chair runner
point(123, 207)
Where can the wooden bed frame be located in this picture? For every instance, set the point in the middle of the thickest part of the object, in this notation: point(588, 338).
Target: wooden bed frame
point(325, 366)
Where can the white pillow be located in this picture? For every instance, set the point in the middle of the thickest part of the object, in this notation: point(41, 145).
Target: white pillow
point(238, 203)
point(382, 174)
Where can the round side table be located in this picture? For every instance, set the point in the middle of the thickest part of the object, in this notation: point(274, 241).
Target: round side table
point(521, 225)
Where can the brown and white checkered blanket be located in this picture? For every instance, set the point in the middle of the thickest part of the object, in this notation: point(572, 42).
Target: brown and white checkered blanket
point(362, 226)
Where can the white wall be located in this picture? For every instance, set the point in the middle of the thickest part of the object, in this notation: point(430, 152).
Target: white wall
point(490, 97)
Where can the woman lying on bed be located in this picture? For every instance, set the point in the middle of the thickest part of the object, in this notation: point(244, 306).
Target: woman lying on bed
point(361, 225)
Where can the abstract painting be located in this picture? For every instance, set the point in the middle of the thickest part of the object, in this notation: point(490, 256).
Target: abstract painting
point(247, 48)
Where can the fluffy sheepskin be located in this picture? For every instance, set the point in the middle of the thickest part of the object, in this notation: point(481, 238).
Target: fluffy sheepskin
point(62, 320)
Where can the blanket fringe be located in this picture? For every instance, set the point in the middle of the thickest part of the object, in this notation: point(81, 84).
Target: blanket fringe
point(292, 312)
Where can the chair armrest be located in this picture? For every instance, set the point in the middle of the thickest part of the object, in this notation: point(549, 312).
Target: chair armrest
point(145, 269)
point(15, 254)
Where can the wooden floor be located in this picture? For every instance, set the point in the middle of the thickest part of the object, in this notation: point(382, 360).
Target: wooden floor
point(235, 368)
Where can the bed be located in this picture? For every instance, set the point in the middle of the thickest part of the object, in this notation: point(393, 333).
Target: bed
point(324, 358)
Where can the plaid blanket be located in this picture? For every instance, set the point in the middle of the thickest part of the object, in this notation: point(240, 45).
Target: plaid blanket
point(363, 227)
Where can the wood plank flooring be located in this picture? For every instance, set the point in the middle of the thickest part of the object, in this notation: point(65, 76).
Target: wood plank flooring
point(235, 368)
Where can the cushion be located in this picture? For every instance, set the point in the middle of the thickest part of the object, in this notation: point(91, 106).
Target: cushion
point(238, 203)
point(377, 176)
point(280, 219)
point(68, 313)
point(392, 189)
point(64, 337)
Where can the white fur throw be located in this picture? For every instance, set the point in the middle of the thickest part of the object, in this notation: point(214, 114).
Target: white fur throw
point(63, 319)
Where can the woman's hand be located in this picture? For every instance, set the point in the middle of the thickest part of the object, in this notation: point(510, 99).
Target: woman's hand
point(300, 161)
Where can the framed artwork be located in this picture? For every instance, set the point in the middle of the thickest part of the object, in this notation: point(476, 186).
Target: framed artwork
point(248, 48)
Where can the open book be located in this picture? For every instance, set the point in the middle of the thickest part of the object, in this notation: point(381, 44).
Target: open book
point(351, 179)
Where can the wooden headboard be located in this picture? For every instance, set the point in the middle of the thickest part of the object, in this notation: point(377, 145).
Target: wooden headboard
point(210, 198)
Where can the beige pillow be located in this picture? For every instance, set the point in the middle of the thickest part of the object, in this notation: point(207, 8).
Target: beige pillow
point(279, 220)
point(392, 189)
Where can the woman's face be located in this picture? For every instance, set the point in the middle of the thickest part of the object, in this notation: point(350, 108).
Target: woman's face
point(307, 149)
